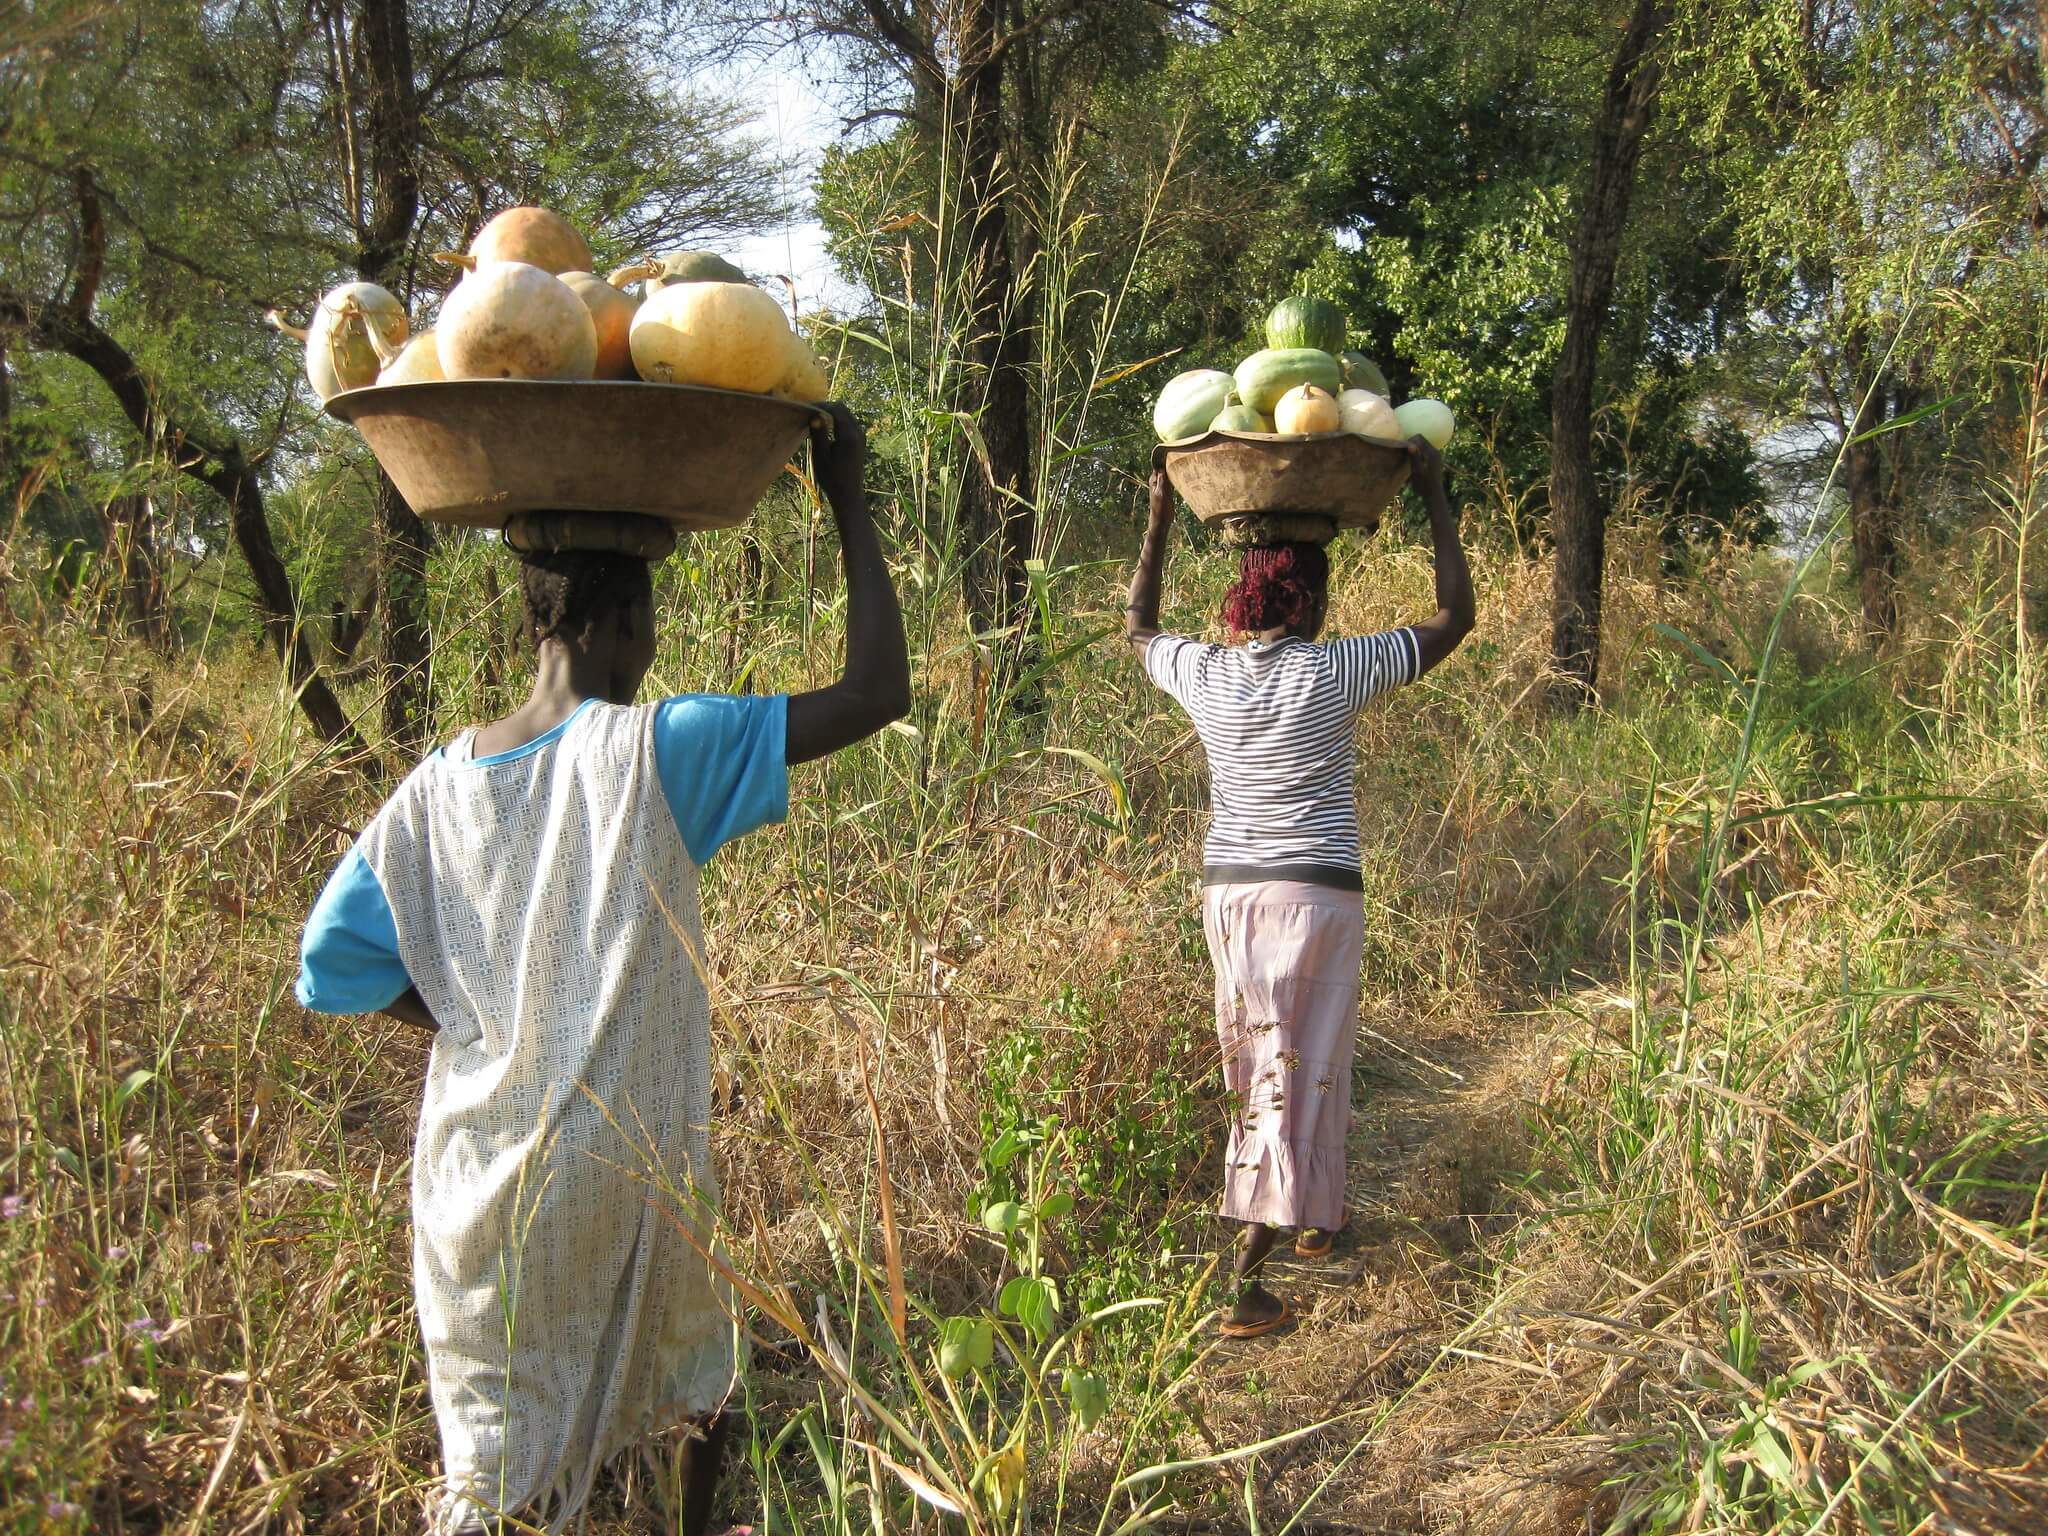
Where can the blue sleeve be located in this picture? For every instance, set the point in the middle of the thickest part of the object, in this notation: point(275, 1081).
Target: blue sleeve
point(723, 764)
point(348, 959)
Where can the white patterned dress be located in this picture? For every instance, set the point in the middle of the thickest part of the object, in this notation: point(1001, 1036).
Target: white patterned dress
point(544, 902)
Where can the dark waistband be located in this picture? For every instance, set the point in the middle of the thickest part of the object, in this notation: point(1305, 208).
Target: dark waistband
point(1335, 876)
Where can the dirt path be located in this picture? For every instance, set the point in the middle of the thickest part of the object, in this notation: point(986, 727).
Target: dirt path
point(1436, 1124)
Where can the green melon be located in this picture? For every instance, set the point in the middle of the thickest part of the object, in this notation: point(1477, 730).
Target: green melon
point(697, 267)
point(1240, 418)
point(1361, 372)
point(1189, 403)
point(1304, 321)
point(1265, 376)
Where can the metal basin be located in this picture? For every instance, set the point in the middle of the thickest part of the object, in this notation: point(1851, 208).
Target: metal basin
point(1336, 475)
point(475, 451)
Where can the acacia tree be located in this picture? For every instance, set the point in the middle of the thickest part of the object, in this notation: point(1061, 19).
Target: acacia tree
point(981, 86)
point(312, 142)
point(1887, 160)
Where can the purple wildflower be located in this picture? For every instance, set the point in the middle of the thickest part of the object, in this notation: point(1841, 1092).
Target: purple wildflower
point(12, 1206)
point(200, 1245)
point(94, 1359)
point(116, 1254)
point(148, 1327)
point(63, 1509)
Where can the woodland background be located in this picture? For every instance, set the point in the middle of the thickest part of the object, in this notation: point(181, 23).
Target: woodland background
point(1703, 1133)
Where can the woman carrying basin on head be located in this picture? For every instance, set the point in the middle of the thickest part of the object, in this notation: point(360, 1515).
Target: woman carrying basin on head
point(1282, 901)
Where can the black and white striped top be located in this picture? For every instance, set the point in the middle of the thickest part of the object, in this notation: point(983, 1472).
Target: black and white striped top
point(1277, 722)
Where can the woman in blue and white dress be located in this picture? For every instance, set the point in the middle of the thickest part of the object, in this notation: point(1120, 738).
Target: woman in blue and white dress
point(530, 895)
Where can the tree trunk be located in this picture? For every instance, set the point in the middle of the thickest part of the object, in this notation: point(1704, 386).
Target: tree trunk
point(1870, 511)
point(392, 132)
point(1578, 510)
point(998, 500)
point(131, 550)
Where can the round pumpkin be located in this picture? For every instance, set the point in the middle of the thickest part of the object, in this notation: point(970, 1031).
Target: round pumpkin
point(419, 363)
point(511, 320)
point(534, 236)
point(721, 335)
point(1306, 409)
point(356, 329)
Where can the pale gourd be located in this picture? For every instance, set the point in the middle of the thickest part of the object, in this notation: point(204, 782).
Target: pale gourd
point(419, 363)
point(510, 320)
point(611, 312)
point(720, 335)
point(535, 236)
point(356, 329)
point(1428, 419)
point(1367, 414)
point(1305, 409)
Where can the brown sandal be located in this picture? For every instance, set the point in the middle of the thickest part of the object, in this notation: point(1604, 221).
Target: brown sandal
point(1230, 1330)
point(1310, 1250)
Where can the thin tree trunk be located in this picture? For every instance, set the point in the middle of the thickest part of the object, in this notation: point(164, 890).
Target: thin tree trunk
point(1001, 515)
point(1578, 510)
point(392, 118)
point(130, 548)
point(1870, 512)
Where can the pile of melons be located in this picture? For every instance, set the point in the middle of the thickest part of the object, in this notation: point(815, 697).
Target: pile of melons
point(528, 307)
point(1305, 381)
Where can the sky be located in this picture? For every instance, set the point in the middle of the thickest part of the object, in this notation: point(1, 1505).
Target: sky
point(792, 116)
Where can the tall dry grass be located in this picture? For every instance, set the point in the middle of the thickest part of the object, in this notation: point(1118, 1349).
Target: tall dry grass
point(1702, 1133)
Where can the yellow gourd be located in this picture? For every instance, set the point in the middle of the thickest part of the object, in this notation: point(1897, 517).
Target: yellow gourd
point(419, 363)
point(723, 335)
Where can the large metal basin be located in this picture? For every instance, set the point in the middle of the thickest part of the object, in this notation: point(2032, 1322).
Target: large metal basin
point(475, 451)
point(1341, 476)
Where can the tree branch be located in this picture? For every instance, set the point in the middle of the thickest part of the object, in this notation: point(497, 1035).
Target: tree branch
point(224, 469)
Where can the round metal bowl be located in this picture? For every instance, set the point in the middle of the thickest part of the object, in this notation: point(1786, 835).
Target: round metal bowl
point(1340, 476)
point(475, 451)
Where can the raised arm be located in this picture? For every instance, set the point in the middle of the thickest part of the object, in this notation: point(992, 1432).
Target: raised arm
point(1141, 613)
point(874, 685)
point(1440, 634)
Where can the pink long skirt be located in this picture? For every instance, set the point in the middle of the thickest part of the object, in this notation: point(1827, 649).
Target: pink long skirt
point(1287, 958)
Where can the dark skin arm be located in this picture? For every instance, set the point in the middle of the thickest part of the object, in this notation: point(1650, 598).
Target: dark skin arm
point(410, 1008)
point(874, 686)
point(1440, 634)
point(1141, 613)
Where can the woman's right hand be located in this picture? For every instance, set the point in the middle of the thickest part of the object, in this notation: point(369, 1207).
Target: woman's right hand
point(1425, 464)
point(840, 458)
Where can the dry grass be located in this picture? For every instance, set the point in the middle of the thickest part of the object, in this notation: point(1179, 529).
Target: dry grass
point(1614, 1211)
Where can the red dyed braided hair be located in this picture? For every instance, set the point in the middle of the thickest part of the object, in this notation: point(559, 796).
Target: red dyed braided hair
point(1277, 584)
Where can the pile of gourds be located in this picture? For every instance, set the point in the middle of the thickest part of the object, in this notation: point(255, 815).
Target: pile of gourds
point(1305, 381)
point(528, 307)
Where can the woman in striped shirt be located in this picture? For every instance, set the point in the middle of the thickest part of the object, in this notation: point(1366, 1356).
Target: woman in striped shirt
point(1282, 901)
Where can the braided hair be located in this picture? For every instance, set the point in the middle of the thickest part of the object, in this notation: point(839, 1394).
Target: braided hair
point(567, 588)
point(1277, 585)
